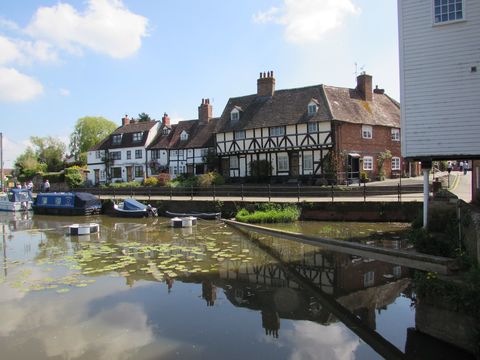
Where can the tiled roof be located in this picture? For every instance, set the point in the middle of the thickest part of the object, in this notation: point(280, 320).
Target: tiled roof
point(347, 105)
point(199, 135)
point(127, 132)
point(285, 107)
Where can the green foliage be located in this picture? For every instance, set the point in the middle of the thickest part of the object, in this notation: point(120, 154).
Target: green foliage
point(384, 155)
point(269, 213)
point(27, 165)
point(439, 245)
point(150, 181)
point(89, 130)
point(260, 169)
point(163, 179)
point(462, 296)
point(49, 151)
point(364, 177)
point(73, 176)
point(54, 177)
point(144, 117)
point(128, 184)
point(211, 160)
point(183, 180)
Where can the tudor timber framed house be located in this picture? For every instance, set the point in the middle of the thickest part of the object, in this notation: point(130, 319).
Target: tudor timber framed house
point(310, 132)
point(121, 156)
point(183, 148)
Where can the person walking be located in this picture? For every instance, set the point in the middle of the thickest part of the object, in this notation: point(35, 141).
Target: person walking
point(461, 165)
point(46, 186)
point(465, 167)
point(449, 167)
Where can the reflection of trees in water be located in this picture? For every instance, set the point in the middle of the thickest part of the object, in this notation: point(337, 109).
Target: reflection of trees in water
point(209, 292)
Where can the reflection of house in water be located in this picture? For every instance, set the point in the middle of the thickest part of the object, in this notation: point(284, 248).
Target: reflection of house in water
point(209, 292)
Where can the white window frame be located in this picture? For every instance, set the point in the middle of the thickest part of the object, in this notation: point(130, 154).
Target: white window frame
point(307, 161)
point(204, 152)
point(184, 135)
point(116, 155)
point(367, 132)
point(234, 162)
point(138, 154)
point(277, 131)
point(141, 171)
point(98, 154)
point(235, 115)
point(239, 135)
point(369, 278)
point(129, 154)
point(116, 139)
point(312, 127)
point(165, 131)
point(116, 167)
point(367, 163)
point(312, 108)
point(282, 163)
point(396, 163)
point(136, 137)
point(448, 12)
point(395, 134)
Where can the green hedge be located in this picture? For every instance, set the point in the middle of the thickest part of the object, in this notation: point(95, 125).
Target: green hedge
point(269, 213)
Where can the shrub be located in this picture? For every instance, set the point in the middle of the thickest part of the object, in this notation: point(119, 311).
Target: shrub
point(54, 177)
point(73, 176)
point(183, 180)
point(269, 213)
point(260, 169)
point(151, 181)
point(125, 184)
point(163, 179)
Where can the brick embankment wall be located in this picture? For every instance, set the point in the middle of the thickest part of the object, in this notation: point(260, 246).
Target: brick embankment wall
point(344, 211)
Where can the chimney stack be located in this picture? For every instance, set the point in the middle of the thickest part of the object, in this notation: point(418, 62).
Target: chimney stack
point(378, 91)
point(125, 120)
point(165, 120)
point(266, 84)
point(205, 111)
point(364, 85)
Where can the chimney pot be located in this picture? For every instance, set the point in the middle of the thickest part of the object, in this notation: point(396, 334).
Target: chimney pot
point(125, 120)
point(266, 84)
point(205, 111)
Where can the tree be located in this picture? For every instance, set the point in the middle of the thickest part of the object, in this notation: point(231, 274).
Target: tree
point(27, 164)
point(49, 151)
point(384, 155)
point(144, 117)
point(89, 130)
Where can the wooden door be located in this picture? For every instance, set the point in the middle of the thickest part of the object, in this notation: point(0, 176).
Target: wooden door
point(97, 176)
point(294, 162)
point(129, 173)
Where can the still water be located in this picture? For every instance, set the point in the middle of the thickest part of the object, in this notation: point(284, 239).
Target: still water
point(142, 290)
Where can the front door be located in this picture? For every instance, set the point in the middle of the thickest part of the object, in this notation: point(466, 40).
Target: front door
point(225, 165)
point(294, 162)
point(97, 176)
point(129, 173)
point(353, 167)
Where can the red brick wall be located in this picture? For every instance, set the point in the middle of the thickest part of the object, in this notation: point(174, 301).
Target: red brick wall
point(349, 140)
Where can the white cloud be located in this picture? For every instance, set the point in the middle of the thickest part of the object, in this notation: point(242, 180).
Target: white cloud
point(9, 51)
point(307, 21)
point(106, 26)
point(17, 87)
point(8, 24)
point(12, 149)
point(64, 92)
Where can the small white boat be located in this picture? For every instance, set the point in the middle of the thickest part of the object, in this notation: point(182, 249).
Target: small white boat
point(16, 200)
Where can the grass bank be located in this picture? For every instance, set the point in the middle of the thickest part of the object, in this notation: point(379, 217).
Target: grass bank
point(269, 213)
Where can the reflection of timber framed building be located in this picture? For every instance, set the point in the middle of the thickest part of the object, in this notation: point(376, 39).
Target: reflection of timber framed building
point(310, 132)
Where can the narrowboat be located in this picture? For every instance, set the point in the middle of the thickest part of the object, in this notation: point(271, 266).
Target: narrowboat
point(16, 200)
point(67, 203)
point(132, 208)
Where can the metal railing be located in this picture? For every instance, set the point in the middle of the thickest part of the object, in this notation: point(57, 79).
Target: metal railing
point(244, 192)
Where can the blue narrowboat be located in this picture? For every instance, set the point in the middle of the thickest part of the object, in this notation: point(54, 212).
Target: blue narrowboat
point(68, 203)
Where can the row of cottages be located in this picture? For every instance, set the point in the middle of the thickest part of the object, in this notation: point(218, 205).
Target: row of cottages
point(311, 133)
point(140, 149)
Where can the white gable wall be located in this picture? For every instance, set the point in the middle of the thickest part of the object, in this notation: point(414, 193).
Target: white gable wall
point(440, 104)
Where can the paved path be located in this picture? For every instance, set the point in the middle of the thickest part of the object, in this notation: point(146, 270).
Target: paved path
point(462, 186)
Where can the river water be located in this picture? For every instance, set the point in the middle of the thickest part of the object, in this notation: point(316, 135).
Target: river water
point(142, 290)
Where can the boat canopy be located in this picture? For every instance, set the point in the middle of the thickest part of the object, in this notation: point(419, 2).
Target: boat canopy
point(67, 200)
point(19, 195)
point(132, 204)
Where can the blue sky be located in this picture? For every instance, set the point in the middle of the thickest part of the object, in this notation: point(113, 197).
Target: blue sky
point(64, 59)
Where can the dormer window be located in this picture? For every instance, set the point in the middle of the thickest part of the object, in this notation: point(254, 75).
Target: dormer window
point(312, 107)
point(184, 135)
point(137, 137)
point(235, 114)
point(116, 139)
point(165, 131)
